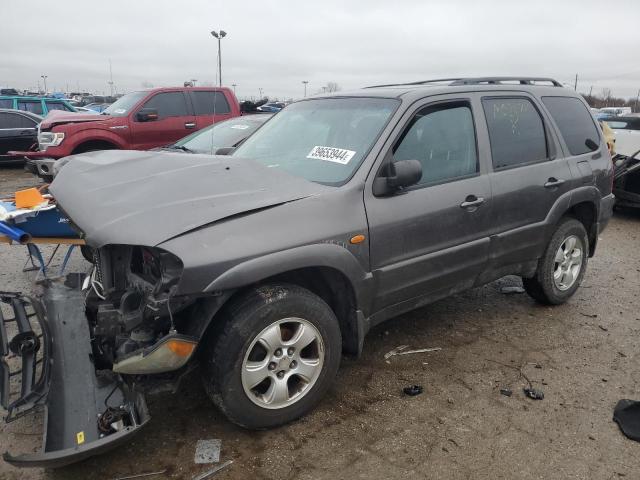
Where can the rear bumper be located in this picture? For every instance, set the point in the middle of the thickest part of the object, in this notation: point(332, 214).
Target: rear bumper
point(86, 412)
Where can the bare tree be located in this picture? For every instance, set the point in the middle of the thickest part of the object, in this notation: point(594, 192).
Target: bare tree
point(333, 87)
point(146, 84)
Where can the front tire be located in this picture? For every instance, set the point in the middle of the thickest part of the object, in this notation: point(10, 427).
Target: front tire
point(274, 357)
point(562, 266)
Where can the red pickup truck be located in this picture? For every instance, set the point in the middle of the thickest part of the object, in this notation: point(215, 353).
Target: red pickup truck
point(137, 121)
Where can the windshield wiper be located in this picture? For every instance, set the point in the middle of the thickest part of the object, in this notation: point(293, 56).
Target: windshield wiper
point(179, 147)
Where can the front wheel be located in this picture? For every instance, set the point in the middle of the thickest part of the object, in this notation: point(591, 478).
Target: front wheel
point(562, 266)
point(274, 357)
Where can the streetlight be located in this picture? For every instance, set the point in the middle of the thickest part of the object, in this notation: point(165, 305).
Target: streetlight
point(219, 35)
point(305, 87)
point(260, 90)
point(44, 77)
point(234, 85)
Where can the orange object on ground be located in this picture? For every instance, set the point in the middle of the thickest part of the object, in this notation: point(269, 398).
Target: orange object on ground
point(28, 198)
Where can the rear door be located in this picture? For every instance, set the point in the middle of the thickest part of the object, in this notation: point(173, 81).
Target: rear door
point(17, 132)
point(529, 175)
point(432, 239)
point(209, 107)
point(174, 121)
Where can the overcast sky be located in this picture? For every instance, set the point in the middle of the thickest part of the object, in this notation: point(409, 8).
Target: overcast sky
point(275, 45)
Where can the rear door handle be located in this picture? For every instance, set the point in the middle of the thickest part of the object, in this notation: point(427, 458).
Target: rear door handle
point(190, 125)
point(553, 182)
point(471, 202)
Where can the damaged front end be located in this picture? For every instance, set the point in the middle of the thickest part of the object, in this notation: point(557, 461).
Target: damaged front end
point(83, 345)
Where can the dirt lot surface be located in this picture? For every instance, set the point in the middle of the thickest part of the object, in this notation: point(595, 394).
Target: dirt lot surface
point(584, 355)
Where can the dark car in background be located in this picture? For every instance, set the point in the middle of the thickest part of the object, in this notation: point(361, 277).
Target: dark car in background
point(271, 107)
point(18, 131)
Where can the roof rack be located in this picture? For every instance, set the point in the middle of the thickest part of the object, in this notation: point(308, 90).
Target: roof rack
point(479, 81)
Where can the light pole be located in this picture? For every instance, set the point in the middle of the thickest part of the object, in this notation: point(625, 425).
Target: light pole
point(260, 90)
point(305, 87)
point(219, 35)
point(44, 77)
point(234, 85)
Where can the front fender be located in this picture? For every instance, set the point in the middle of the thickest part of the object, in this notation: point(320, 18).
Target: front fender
point(318, 255)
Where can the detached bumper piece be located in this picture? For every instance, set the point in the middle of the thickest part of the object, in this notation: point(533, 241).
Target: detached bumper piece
point(85, 412)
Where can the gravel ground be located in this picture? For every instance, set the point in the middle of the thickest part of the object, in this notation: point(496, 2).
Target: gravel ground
point(583, 355)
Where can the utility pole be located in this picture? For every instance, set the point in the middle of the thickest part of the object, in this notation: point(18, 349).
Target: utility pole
point(591, 90)
point(575, 85)
point(44, 78)
point(637, 98)
point(219, 35)
point(260, 90)
point(110, 82)
point(234, 85)
point(305, 87)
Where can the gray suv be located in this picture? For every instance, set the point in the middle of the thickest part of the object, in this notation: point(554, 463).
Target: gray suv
point(266, 264)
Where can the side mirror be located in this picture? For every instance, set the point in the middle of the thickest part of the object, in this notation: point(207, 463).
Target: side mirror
point(147, 115)
point(400, 174)
point(225, 150)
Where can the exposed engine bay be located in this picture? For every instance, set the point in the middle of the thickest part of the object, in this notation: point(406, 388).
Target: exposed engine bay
point(132, 310)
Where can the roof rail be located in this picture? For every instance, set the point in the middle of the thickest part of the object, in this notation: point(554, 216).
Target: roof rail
point(478, 81)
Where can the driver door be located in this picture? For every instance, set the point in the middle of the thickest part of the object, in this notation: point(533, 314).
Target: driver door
point(174, 121)
point(432, 239)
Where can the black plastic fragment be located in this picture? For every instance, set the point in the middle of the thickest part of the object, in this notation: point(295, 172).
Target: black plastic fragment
point(534, 393)
point(507, 392)
point(413, 390)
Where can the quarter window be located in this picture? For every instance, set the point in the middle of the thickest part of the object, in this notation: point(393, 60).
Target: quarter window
point(56, 106)
point(516, 132)
point(575, 123)
point(169, 104)
point(208, 103)
point(443, 140)
point(6, 103)
point(33, 107)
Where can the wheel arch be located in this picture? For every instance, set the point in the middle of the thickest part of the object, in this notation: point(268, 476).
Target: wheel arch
point(329, 271)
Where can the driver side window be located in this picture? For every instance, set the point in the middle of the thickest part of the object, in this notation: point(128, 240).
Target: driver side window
point(168, 104)
point(443, 139)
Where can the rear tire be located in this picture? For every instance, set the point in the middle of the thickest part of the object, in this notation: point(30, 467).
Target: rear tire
point(562, 266)
point(259, 369)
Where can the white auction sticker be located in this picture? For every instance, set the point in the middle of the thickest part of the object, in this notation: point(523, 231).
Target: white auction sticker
point(331, 154)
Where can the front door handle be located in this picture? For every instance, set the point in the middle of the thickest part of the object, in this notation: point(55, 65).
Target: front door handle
point(472, 202)
point(189, 125)
point(553, 182)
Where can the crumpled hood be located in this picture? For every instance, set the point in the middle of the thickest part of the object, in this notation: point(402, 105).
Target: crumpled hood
point(59, 117)
point(146, 198)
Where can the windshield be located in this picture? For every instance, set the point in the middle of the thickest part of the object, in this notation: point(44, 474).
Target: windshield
point(322, 140)
point(123, 105)
point(222, 134)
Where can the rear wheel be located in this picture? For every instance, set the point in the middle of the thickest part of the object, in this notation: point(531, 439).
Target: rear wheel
point(562, 266)
point(274, 357)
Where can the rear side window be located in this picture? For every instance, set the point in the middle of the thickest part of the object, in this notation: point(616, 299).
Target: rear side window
point(33, 107)
point(15, 120)
point(169, 104)
point(57, 106)
point(516, 132)
point(205, 102)
point(443, 140)
point(575, 123)
point(6, 103)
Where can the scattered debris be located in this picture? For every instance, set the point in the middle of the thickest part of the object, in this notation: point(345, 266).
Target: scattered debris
point(413, 390)
point(213, 471)
point(140, 475)
point(591, 437)
point(512, 289)
point(208, 451)
point(401, 350)
point(622, 355)
point(603, 328)
point(589, 315)
point(534, 393)
point(507, 392)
